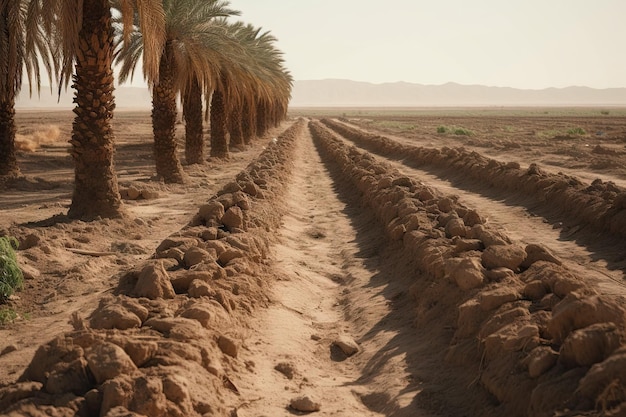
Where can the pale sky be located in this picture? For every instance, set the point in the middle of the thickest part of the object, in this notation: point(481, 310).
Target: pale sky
point(509, 43)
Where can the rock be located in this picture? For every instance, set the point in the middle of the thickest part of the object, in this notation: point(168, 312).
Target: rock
point(228, 255)
point(286, 369)
point(60, 350)
point(347, 345)
point(577, 312)
point(499, 274)
point(133, 193)
point(228, 346)
point(507, 256)
point(211, 213)
point(13, 393)
point(489, 237)
point(445, 204)
point(233, 218)
point(176, 390)
point(540, 360)
point(472, 218)
point(71, 377)
point(199, 288)
point(590, 345)
point(467, 245)
point(8, 349)
point(148, 397)
point(181, 280)
point(466, 273)
point(536, 253)
point(305, 403)
point(115, 393)
point(195, 255)
point(455, 227)
point(149, 194)
point(535, 290)
point(107, 361)
point(202, 313)
point(494, 298)
point(154, 283)
point(140, 351)
point(114, 316)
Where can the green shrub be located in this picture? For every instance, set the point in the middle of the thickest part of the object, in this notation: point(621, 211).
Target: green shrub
point(605, 112)
point(463, 132)
point(7, 315)
point(455, 130)
point(11, 277)
point(576, 131)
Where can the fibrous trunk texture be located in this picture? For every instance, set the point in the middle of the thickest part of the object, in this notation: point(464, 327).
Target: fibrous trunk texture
point(261, 119)
point(96, 191)
point(219, 141)
point(164, 122)
point(235, 129)
point(192, 111)
point(8, 160)
point(248, 124)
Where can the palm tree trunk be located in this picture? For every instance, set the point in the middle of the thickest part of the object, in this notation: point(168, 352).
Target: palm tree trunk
point(261, 119)
point(8, 160)
point(219, 141)
point(192, 111)
point(95, 184)
point(248, 123)
point(164, 122)
point(236, 131)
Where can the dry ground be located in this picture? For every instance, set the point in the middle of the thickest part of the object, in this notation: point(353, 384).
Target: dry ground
point(332, 272)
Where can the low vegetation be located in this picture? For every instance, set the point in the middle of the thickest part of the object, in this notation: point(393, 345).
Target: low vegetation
point(460, 131)
point(11, 278)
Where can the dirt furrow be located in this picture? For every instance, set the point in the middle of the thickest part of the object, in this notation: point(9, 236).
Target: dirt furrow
point(291, 342)
point(469, 278)
point(596, 263)
point(591, 254)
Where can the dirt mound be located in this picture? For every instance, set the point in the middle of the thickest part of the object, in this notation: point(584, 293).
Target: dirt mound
point(166, 341)
point(601, 205)
point(539, 335)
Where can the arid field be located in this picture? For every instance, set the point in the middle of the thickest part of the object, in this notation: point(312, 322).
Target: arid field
point(353, 262)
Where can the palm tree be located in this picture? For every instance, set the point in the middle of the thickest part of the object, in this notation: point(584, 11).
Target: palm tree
point(84, 36)
point(260, 76)
point(22, 40)
point(197, 41)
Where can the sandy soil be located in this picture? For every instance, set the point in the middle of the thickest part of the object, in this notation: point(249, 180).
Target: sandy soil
point(334, 275)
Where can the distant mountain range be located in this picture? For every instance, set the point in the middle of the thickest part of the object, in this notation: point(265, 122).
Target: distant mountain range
point(346, 93)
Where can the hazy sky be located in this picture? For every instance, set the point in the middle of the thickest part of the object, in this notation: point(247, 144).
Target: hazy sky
point(512, 43)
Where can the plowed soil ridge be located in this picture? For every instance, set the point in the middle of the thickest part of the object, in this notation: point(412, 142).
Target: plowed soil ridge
point(534, 350)
point(601, 205)
point(337, 278)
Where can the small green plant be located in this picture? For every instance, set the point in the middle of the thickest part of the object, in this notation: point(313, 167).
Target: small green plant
point(11, 277)
point(7, 315)
point(463, 132)
point(576, 131)
point(605, 112)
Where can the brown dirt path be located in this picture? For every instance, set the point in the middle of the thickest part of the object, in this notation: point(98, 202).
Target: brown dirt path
point(316, 251)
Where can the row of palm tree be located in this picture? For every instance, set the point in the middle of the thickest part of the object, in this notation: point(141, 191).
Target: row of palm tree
point(188, 49)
